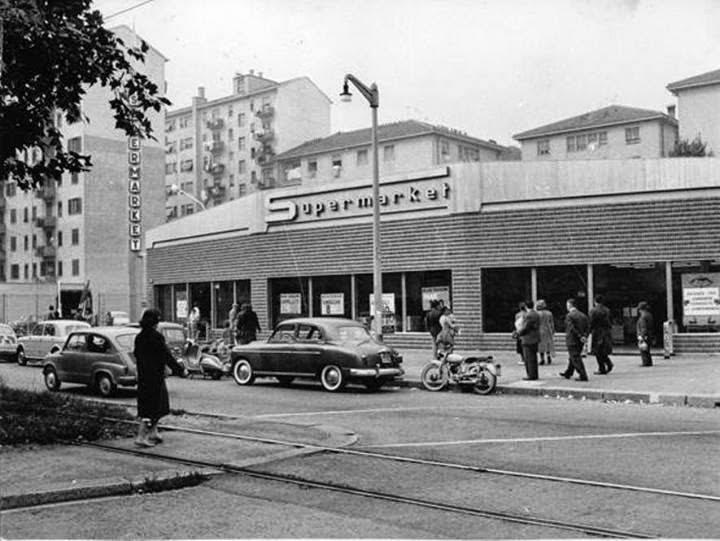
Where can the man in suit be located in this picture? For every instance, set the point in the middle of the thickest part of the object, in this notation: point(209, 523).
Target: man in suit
point(529, 334)
point(576, 331)
point(600, 327)
point(644, 329)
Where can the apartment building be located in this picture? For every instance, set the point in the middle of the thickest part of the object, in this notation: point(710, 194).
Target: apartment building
point(402, 146)
point(218, 150)
point(87, 227)
point(613, 132)
point(699, 108)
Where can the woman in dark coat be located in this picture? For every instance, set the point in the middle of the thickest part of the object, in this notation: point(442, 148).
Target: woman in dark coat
point(247, 324)
point(600, 329)
point(152, 354)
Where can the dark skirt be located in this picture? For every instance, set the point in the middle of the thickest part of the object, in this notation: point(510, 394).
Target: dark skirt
point(152, 400)
point(518, 346)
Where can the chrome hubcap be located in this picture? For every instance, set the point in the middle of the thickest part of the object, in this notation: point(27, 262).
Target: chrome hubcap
point(332, 377)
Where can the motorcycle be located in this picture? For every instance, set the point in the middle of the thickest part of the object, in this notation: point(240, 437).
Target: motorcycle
point(198, 361)
point(470, 373)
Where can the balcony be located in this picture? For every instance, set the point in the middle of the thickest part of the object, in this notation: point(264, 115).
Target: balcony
point(215, 124)
point(266, 183)
point(46, 252)
point(217, 193)
point(265, 136)
point(265, 155)
point(46, 222)
point(216, 147)
point(216, 169)
point(266, 111)
point(47, 191)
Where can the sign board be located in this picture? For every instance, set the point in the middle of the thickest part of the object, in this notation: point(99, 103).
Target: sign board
point(332, 304)
point(181, 305)
point(388, 300)
point(290, 303)
point(134, 197)
point(701, 299)
point(437, 293)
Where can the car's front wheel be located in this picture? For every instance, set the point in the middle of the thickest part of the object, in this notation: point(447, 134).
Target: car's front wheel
point(243, 373)
point(20, 356)
point(332, 378)
point(105, 386)
point(52, 381)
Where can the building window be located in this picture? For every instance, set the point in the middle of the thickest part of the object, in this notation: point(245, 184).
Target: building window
point(170, 213)
point(13, 244)
point(215, 113)
point(241, 119)
point(170, 168)
point(186, 143)
point(75, 267)
point(231, 134)
point(186, 165)
point(11, 189)
point(468, 154)
point(75, 237)
point(74, 178)
point(15, 272)
point(170, 147)
point(632, 135)
point(59, 238)
point(571, 143)
point(253, 177)
point(58, 120)
point(169, 125)
point(252, 152)
point(581, 142)
point(444, 151)
point(362, 157)
point(74, 144)
point(26, 242)
point(74, 206)
point(185, 121)
point(26, 271)
point(59, 268)
point(34, 270)
point(252, 105)
point(336, 165)
point(26, 215)
point(602, 138)
point(241, 167)
point(13, 216)
point(34, 241)
point(231, 180)
point(59, 209)
point(34, 213)
point(543, 147)
point(230, 111)
point(389, 153)
point(312, 168)
point(241, 143)
point(242, 189)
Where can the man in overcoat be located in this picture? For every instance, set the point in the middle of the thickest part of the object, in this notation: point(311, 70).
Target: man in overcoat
point(247, 324)
point(576, 331)
point(432, 324)
point(644, 329)
point(529, 334)
point(600, 327)
point(152, 354)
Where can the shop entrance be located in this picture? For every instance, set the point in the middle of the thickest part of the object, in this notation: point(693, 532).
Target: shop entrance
point(624, 286)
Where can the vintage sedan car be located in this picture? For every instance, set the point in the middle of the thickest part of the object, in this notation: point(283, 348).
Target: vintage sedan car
point(334, 350)
point(45, 338)
point(100, 357)
point(8, 342)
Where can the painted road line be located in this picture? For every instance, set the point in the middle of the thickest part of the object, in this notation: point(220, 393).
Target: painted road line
point(546, 438)
point(374, 410)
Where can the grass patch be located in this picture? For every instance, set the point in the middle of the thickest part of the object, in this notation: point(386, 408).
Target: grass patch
point(29, 417)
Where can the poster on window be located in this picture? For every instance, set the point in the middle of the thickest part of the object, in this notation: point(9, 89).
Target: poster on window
point(701, 299)
point(388, 300)
point(437, 293)
point(290, 303)
point(181, 305)
point(332, 304)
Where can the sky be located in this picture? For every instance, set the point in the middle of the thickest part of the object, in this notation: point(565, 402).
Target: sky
point(491, 68)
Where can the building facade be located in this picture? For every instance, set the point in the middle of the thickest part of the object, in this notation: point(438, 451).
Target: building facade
point(402, 146)
point(79, 229)
point(614, 132)
point(222, 149)
point(482, 236)
point(699, 108)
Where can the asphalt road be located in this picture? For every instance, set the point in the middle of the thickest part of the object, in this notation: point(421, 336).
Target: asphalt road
point(667, 449)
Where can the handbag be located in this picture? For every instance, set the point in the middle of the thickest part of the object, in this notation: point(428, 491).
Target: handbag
point(642, 344)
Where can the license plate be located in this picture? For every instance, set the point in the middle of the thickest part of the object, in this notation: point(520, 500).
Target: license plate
point(385, 357)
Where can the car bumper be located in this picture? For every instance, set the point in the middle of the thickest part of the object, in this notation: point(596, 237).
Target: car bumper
point(7, 349)
point(127, 381)
point(376, 372)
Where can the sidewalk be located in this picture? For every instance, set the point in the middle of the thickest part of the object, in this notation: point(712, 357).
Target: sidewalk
point(691, 380)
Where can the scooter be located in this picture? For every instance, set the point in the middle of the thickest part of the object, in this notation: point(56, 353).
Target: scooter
point(196, 361)
point(470, 373)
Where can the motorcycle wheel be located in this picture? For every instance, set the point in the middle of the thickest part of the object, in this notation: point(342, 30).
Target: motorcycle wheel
point(485, 382)
point(433, 377)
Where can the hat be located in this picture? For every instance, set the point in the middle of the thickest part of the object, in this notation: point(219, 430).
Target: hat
point(642, 305)
point(540, 304)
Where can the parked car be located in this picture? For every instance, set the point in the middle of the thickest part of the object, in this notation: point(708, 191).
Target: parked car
point(24, 325)
point(175, 338)
point(119, 318)
point(100, 357)
point(8, 342)
point(46, 337)
point(333, 350)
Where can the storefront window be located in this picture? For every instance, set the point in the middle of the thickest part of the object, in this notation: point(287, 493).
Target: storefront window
point(392, 297)
point(242, 292)
point(163, 301)
point(223, 302)
point(555, 285)
point(421, 287)
point(200, 297)
point(696, 295)
point(181, 307)
point(331, 296)
point(288, 298)
point(624, 286)
point(502, 290)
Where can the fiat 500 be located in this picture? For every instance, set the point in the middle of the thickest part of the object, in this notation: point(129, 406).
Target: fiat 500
point(335, 351)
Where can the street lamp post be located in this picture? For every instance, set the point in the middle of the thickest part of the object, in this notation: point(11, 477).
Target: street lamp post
point(174, 189)
point(372, 95)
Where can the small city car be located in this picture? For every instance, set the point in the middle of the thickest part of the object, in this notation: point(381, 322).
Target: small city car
point(45, 338)
point(8, 343)
point(175, 339)
point(335, 351)
point(100, 357)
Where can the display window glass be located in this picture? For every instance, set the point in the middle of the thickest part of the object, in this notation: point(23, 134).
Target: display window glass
point(696, 295)
point(200, 297)
point(557, 284)
point(421, 287)
point(392, 298)
point(502, 291)
point(223, 302)
point(288, 298)
point(163, 301)
point(181, 308)
point(332, 296)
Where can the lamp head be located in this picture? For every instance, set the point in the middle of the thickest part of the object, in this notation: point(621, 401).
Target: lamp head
point(345, 95)
point(174, 188)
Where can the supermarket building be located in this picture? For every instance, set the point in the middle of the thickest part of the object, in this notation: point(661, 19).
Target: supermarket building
point(483, 236)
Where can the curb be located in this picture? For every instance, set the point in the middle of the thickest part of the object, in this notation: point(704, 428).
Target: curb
point(118, 486)
point(639, 397)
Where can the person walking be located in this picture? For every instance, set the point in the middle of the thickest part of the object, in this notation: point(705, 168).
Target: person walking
point(576, 331)
point(51, 313)
point(232, 320)
point(432, 324)
point(547, 332)
point(644, 329)
point(152, 355)
point(529, 334)
point(600, 331)
point(247, 324)
point(193, 322)
point(517, 325)
point(448, 329)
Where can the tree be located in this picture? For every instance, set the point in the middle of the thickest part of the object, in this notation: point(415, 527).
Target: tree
point(690, 149)
point(52, 51)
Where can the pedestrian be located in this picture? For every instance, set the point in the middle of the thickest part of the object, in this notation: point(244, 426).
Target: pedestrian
point(445, 341)
point(232, 319)
point(109, 319)
point(576, 331)
point(152, 355)
point(600, 331)
point(51, 313)
point(529, 334)
point(644, 329)
point(517, 325)
point(547, 332)
point(247, 324)
point(193, 322)
point(432, 324)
